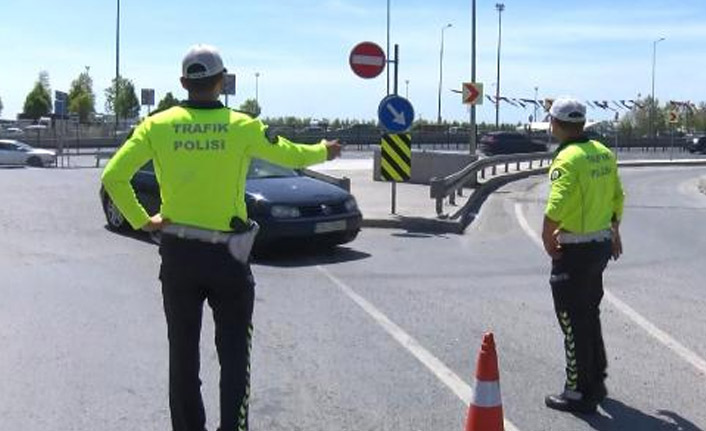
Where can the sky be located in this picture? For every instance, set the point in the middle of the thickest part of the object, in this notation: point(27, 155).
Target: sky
point(597, 50)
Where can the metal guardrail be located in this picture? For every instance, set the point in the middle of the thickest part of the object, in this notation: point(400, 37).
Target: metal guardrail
point(449, 186)
point(106, 154)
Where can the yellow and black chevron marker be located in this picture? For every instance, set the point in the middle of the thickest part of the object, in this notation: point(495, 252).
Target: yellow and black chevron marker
point(396, 157)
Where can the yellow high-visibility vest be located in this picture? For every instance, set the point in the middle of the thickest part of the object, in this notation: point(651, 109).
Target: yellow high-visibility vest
point(586, 192)
point(201, 155)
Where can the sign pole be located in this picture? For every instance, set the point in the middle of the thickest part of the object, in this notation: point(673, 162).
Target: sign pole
point(393, 184)
point(473, 144)
point(671, 145)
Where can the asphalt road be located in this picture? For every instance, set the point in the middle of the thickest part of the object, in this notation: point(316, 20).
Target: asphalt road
point(361, 339)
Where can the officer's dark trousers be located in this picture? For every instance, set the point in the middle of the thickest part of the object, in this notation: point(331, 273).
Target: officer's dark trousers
point(192, 272)
point(577, 288)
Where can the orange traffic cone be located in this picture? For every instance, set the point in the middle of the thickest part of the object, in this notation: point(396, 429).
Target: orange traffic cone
point(485, 413)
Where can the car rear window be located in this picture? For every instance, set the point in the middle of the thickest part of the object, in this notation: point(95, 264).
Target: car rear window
point(258, 169)
point(262, 169)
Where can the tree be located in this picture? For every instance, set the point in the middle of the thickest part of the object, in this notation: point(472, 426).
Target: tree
point(82, 101)
point(251, 106)
point(38, 101)
point(125, 105)
point(699, 117)
point(167, 102)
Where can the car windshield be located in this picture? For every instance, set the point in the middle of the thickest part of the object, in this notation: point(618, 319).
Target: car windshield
point(262, 169)
point(258, 169)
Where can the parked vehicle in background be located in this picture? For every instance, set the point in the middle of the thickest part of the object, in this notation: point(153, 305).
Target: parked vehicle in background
point(359, 134)
point(11, 132)
point(288, 206)
point(495, 143)
point(697, 144)
point(14, 152)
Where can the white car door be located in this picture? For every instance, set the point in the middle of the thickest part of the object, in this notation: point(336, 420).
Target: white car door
point(11, 154)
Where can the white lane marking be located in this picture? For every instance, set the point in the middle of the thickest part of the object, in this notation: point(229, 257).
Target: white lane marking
point(462, 390)
point(667, 340)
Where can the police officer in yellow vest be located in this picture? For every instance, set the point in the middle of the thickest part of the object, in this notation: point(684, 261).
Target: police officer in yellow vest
point(580, 234)
point(201, 153)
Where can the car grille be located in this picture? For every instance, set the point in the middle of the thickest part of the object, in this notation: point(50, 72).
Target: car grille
point(322, 210)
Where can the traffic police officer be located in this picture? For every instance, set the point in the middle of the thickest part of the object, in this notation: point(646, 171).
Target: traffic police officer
point(580, 233)
point(201, 153)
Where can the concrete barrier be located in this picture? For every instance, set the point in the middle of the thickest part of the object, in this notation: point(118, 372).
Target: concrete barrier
point(428, 164)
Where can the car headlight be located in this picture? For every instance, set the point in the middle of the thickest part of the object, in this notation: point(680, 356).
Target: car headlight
point(696, 141)
point(283, 211)
point(351, 205)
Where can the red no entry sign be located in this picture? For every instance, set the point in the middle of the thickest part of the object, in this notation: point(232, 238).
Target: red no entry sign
point(367, 60)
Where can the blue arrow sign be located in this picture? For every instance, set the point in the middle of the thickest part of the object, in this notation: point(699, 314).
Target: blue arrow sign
point(396, 114)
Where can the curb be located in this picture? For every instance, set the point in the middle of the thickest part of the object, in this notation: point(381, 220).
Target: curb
point(414, 224)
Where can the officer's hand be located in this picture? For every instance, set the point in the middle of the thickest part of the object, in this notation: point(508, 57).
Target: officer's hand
point(550, 238)
point(156, 223)
point(333, 149)
point(552, 245)
point(617, 246)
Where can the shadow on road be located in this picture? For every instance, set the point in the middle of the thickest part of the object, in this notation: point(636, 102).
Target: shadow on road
point(419, 235)
point(623, 417)
point(309, 255)
point(300, 254)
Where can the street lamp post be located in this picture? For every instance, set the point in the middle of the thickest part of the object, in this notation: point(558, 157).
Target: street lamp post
point(473, 143)
point(257, 88)
point(652, 102)
point(406, 89)
point(500, 8)
point(388, 50)
point(535, 104)
point(441, 70)
point(117, 63)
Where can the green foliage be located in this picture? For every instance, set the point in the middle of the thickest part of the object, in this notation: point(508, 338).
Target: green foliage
point(251, 106)
point(644, 118)
point(167, 102)
point(698, 117)
point(38, 101)
point(82, 101)
point(125, 105)
point(626, 128)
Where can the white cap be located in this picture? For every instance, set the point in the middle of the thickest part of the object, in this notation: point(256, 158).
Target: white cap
point(569, 110)
point(201, 61)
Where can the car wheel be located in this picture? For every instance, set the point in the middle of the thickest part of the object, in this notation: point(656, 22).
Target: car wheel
point(35, 161)
point(116, 220)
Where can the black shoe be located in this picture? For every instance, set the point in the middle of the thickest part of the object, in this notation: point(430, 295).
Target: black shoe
point(570, 402)
point(600, 393)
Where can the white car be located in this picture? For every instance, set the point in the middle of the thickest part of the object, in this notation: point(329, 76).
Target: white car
point(13, 152)
point(11, 132)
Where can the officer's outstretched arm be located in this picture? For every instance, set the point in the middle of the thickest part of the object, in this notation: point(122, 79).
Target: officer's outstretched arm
point(265, 145)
